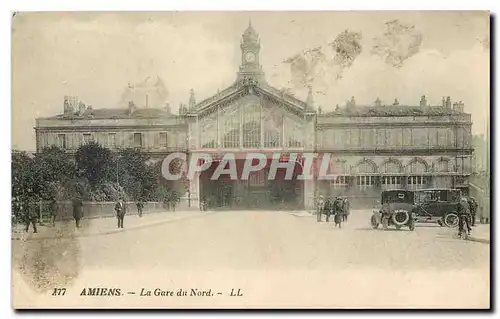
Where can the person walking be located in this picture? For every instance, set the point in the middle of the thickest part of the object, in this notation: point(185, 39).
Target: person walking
point(329, 209)
point(54, 211)
point(31, 216)
point(472, 209)
point(120, 212)
point(338, 212)
point(77, 211)
point(345, 209)
point(463, 217)
point(140, 207)
point(320, 206)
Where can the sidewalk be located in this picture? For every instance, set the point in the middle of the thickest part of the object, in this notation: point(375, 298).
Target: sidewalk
point(101, 226)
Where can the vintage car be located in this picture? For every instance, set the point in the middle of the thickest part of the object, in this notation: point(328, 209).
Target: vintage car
point(396, 209)
point(438, 205)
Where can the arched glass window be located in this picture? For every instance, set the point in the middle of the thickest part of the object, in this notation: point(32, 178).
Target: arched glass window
point(251, 126)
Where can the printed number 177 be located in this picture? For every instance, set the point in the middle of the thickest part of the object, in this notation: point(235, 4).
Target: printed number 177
point(59, 292)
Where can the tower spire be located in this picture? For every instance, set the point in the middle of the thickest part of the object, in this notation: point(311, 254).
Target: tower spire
point(192, 100)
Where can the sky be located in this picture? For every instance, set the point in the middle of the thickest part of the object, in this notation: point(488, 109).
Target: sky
point(95, 55)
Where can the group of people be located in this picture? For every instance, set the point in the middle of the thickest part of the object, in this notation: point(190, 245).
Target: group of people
point(338, 207)
point(30, 212)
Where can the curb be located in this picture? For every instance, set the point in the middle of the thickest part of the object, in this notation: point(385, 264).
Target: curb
point(114, 231)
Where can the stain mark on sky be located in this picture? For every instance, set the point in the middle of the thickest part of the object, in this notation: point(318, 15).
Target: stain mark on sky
point(323, 64)
point(399, 43)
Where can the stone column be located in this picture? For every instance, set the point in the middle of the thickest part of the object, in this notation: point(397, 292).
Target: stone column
point(309, 195)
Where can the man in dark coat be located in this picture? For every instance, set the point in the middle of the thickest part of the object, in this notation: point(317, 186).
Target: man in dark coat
point(31, 215)
point(120, 212)
point(329, 209)
point(77, 211)
point(54, 211)
point(472, 209)
point(140, 207)
point(463, 217)
point(338, 211)
point(345, 209)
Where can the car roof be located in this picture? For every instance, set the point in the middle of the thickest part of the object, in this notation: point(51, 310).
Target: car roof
point(436, 189)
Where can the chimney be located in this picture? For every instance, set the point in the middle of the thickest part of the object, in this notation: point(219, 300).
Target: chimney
point(458, 107)
point(378, 103)
point(423, 101)
point(396, 102)
point(443, 102)
point(131, 107)
point(319, 110)
point(310, 100)
point(448, 103)
point(147, 101)
point(192, 100)
point(68, 107)
point(353, 102)
point(168, 109)
point(81, 108)
point(337, 108)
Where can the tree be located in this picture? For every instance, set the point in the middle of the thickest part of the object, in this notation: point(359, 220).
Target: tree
point(54, 171)
point(95, 164)
point(137, 177)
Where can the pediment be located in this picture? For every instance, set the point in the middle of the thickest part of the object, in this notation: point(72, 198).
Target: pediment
point(236, 92)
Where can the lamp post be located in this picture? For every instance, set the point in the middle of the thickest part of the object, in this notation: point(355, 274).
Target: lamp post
point(117, 168)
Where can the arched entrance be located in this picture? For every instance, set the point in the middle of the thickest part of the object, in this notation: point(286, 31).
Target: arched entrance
point(257, 192)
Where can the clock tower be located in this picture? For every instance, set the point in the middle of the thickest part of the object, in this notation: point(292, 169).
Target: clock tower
point(250, 67)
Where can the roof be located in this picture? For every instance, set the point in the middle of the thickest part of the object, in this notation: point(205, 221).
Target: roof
point(258, 86)
point(396, 190)
point(436, 189)
point(107, 113)
point(392, 110)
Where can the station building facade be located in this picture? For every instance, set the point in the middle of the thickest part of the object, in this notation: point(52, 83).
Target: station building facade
point(371, 148)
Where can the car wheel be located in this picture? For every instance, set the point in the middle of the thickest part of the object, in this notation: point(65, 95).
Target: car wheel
point(400, 218)
point(374, 222)
point(451, 220)
point(385, 222)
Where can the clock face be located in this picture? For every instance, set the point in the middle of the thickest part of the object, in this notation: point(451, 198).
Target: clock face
point(250, 57)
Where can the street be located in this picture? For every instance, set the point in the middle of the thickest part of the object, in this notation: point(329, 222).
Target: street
point(277, 259)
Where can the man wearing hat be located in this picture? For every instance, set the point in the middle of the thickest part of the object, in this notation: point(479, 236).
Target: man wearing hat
point(320, 205)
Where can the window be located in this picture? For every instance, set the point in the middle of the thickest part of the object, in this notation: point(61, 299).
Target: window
point(391, 182)
point(163, 139)
point(137, 139)
point(272, 139)
point(340, 182)
point(112, 140)
point(416, 182)
point(230, 127)
point(87, 138)
point(251, 126)
point(381, 140)
point(364, 182)
point(61, 141)
point(442, 166)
